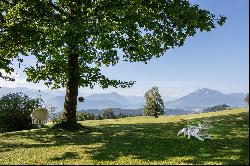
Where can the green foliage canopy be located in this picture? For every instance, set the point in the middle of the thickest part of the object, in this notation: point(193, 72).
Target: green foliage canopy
point(94, 31)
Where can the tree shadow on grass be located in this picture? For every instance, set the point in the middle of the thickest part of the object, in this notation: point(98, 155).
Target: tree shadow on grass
point(66, 155)
point(149, 141)
point(165, 145)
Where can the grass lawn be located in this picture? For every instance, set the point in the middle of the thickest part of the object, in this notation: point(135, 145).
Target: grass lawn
point(133, 140)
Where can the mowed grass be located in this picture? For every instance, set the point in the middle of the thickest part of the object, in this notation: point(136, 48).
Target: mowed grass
point(133, 140)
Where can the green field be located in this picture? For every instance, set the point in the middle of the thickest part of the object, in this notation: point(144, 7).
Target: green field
point(133, 140)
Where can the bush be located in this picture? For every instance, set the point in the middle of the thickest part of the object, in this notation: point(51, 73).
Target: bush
point(15, 110)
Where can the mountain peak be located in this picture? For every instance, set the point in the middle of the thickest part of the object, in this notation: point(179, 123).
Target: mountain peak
point(205, 91)
point(113, 93)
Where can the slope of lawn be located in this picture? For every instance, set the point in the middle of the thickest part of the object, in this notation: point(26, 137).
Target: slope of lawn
point(133, 140)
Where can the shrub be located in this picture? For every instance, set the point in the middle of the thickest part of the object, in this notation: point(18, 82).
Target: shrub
point(15, 110)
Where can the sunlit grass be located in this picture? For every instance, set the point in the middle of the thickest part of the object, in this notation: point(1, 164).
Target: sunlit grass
point(133, 140)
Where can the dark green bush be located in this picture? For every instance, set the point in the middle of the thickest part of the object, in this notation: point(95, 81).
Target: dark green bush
point(15, 109)
point(80, 116)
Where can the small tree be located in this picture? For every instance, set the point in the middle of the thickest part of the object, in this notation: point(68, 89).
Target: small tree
point(154, 103)
point(40, 115)
point(246, 99)
point(108, 114)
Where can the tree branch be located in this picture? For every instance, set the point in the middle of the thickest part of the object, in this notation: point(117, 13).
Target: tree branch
point(57, 8)
point(9, 3)
point(2, 18)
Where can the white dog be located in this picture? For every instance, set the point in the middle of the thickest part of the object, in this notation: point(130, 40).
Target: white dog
point(194, 131)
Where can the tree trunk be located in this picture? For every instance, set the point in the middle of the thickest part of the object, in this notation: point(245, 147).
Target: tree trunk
point(70, 103)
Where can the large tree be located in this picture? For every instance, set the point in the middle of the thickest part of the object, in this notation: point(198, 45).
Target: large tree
point(72, 39)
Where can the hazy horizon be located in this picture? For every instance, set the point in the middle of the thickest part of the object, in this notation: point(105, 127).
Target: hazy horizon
point(62, 92)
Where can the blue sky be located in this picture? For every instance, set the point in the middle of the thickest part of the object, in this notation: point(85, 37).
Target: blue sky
point(218, 59)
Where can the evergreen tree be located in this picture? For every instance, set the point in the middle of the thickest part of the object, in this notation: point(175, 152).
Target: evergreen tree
point(154, 103)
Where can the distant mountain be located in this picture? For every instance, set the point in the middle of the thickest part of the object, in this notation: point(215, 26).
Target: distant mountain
point(197, 100)
point(110, 96)
point(58, 102)
point(96, 101)
point(203, 98)
point(100, 101)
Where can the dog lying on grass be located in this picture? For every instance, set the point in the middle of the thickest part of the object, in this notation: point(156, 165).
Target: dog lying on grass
point(196, 131)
